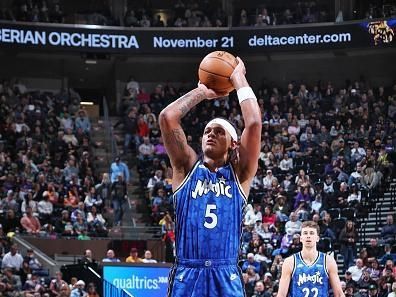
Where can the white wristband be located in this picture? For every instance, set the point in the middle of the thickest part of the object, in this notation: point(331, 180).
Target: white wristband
point(245, 93)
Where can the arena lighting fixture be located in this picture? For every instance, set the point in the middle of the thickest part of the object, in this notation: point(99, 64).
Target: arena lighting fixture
point(91, 62)
point(86, 103)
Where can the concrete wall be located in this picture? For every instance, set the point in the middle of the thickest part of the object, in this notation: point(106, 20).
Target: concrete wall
point(99, 247)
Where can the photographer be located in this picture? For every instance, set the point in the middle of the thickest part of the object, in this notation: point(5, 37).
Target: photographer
point(78, 290)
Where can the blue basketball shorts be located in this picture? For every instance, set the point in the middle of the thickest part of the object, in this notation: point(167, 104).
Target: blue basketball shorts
point(205, 278)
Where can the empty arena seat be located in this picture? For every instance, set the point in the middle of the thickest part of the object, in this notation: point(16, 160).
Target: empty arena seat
point(337, 224)
point(334, 213)
point(348, 213)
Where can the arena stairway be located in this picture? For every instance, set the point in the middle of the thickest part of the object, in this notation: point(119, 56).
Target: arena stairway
point(136, 211)
point(369, 226)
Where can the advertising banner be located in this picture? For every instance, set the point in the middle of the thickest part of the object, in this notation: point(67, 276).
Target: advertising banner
point(145, 280)
point(370, 33)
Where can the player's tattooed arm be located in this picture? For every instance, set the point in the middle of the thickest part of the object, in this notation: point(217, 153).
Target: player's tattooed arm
point(181, 155)
point(189, 100)
point(177, 137)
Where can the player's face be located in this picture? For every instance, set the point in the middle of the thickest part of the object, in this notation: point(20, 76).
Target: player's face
point(215, 141)
point(309, 237)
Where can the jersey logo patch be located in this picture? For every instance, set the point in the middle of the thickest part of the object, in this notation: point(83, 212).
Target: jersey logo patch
point(315, 279)
point(233, 276)
point(204, 187)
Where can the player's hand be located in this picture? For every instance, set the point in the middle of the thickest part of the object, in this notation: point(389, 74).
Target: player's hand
point(209, 93)
point(240, 68)
point(237, 77)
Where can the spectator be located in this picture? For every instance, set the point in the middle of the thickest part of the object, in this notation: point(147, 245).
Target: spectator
point(286, 164)
point(70, 170)
point(63, 223)
point(11, 223)
point(11, 283)
point(147, 257)
point(91, 290)
point(250, 277)
point(28, 201)
point(356, 177)
point(83, 122)
point(168, 236)
point(118, 167)
point(281, 209)
point(80, 225)
point(328, 185)
point(93, 199)
point(250, 216)
point(373, 290)
point(269, 217)
point(393, 293)
point(302, 179)
point(302, 197)
point(30, 223)
point(155, 182)
point(119, 195)
point(356, 270)
point(388, 231)
point(146, 150)
point(34, 263)
point(349, 280)
point(87, 259)
point(373, 249)
point(268, 179)
point(365, 280)
point(388, 256)
point(70, 139)
point(45, 209)
point(83, 235)
point(357, 153)
point(104, 189)
point(374, 270)
point(12, 259)
point(78, 289)
point(293, 226)
point(110, 257)
point(9, 202)
point(259, 290)
point(133, 256)
point(348, 238)
point(250, 262)
point(354, 196)
point(96, 222)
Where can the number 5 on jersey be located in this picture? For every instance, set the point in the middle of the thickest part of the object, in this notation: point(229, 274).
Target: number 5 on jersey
point(210, 216)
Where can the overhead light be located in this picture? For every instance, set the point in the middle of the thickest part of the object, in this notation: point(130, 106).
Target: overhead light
point(86, 103)
point(91, 62)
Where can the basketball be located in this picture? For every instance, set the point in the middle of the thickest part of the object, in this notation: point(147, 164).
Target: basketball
point(215, 71)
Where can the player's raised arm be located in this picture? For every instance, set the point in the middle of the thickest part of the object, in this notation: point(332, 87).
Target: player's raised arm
point(284, 283)
point(333, 277)
point(181, 155)
point(249, 149)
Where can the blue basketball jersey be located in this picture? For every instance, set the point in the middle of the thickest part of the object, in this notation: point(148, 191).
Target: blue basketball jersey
point(209, 209)
point(309, 280)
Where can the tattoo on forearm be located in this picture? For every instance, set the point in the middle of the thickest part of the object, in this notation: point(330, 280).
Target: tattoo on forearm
point(179, 138)
point(189, 100)
point(176, 136)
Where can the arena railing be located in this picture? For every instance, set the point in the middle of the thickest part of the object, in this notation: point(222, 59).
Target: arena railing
point(110, 139)
point(46, 261)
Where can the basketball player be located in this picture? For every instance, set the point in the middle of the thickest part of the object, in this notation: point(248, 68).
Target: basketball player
point(210, 193)
point(309, 273)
